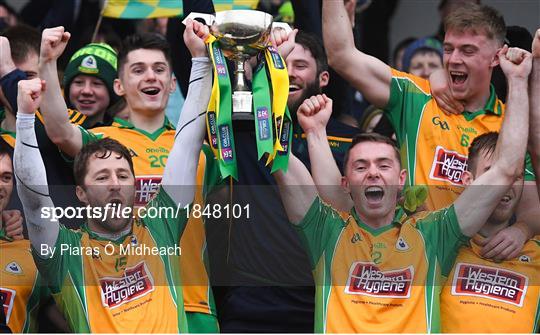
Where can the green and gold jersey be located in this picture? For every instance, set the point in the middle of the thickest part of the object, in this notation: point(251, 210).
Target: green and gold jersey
point(131, 285)
point(384, 280)
point(434, 145)
point(482, 296)
point(21, 287)
point(149, 153)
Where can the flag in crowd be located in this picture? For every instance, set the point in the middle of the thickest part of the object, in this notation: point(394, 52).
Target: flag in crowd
point(146, 9)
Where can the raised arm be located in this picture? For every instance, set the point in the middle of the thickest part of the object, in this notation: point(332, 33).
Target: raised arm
point(30, 170)
point(534, 96)
point(313, 115)
point(181, 169)
point(297, 189)
point(64, 134)
point(367, 74)
point(477, 202)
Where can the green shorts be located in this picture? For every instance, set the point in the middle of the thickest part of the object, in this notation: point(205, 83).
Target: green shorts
point(202, 323)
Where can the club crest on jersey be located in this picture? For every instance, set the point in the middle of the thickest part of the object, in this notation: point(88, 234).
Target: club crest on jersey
point(7, 297)
point(490, 283)
point(402, 245)
point(136, 282)
point(88, 65)
point(524, 259)
point(356, 238)
point(14, 268)
point(145, 189)
point(448, 166)
point(367, 279)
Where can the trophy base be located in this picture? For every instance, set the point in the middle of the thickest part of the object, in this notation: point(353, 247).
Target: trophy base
point(242, 105)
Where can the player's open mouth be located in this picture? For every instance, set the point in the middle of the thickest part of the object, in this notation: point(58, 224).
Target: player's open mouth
point(506, 199)
point(293, 88)
point(115, 201)
point(374, 193)
point(458, 77)
point(151, 90)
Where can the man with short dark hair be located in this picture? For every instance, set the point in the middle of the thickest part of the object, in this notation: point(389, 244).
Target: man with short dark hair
point(376, 269)
point(19, 53)
point(116, 291)
point(266, 268)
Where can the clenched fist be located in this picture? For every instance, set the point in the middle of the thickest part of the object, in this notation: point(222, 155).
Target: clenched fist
point(515, 62)
point(53, 43)
point(314, 113)
point(194, 37)
point(29, 95)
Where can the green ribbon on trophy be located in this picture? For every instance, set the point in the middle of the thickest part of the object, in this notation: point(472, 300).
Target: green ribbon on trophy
point(273, 126)
point(219, 113)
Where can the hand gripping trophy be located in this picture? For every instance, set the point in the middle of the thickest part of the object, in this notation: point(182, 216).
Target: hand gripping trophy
point(239, 35)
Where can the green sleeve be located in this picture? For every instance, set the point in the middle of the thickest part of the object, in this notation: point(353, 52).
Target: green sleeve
point(88, 136)
point(55, 269)
point(442, 236)
point(321, 225)
point(165, 219)
point(40, 297)
point(212, 175)
point(408, 96)
point(529, 170)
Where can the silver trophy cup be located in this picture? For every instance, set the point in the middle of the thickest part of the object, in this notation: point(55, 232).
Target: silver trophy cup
point(241, 34)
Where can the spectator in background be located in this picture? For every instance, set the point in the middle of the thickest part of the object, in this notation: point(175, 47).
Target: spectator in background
point(422, 57)
point(19, 53)
point(88, 82)
point(397, 55)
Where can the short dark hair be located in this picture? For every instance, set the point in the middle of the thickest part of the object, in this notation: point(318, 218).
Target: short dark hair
point(102, 149)
point(374, 138)
point(23, 40)
point(478, 19)
point(6, 149)
point(314, 45)
point(149, 41)
point(484, 144)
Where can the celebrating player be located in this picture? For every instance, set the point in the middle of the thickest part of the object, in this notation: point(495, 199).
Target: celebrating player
point(376, 269)
point(98, 287)
point(145, 80)
point(434, 145)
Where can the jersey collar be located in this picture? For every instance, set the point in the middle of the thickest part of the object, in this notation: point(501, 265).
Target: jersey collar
point(4, 237)
point(493, 106)
point(125, 124)
point(7, 132)
point(97, 237)
point(399, 218)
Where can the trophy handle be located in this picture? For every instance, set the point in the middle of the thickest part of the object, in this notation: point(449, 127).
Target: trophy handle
point(209, 19)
